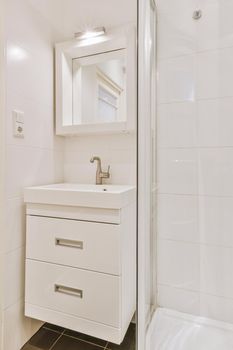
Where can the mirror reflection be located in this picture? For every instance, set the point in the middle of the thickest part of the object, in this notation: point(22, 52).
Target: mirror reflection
point(99, 88)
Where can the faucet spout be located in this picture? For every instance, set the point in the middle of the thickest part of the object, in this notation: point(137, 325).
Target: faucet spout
point(95, 158)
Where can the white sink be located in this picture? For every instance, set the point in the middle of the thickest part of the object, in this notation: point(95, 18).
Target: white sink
point(93, 196)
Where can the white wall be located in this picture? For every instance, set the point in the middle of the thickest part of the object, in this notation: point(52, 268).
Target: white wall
point(118, 151)
point(195, 158)
point(36, 159)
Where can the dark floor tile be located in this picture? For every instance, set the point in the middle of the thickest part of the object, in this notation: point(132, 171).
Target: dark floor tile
point(129, 342)
point(44, 339)
point(67, 343)
point(54, 327)
point(86, 337)
point(29, 347)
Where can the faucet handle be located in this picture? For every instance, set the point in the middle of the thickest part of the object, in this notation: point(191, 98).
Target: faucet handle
point(106, 174)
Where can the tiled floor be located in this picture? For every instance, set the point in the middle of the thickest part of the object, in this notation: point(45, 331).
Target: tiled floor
point(51, 337)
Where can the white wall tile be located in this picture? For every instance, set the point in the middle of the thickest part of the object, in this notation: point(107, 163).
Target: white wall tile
point(179, 264)
point(195, 158)
point(177, 125)
point(177, 33)
point(216, 265)
point(178, 171)
point(22, 74)
point(38, 123)
point(214, 74)
point(176, 6)
point(118, 151)
point(178, 217)
point(107, 155)
point(177, 79)
point(216, 308)
point(21, 326)
point(216, 220)
point(100, 142)
point(215, 122)
point(14, 276)
point(28, 166)
point(120, 173)
point(216, 171)
point(26, 26)
point(179, 299)
point(15, 224)
point(36, 159)
point(215, 29)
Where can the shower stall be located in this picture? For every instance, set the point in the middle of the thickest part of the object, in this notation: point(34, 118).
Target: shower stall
point(185, 172)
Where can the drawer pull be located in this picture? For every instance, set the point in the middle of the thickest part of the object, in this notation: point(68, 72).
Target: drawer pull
point(69, 243)
point(68, 290)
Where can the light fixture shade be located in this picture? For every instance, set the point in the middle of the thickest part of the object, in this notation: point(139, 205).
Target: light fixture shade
point(92, 33)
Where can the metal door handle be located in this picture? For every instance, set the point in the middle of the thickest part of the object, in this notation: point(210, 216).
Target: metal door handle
point(69, 243)
point(68, 290)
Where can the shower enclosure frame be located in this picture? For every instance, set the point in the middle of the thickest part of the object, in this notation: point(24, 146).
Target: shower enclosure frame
point(2, 157)
point(146, 257)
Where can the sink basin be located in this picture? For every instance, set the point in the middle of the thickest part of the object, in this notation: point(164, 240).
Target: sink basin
point(82, 195)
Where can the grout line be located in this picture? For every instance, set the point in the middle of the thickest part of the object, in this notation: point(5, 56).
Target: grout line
point(201, 243)
point(195, 100)
point(197, 291)
point(57, 340)
point(192, 53)
point(195, 52)
point(53, 330)
point(106, 347)
point(84, 341)
point(162, 148)
point(35, 147)
point(197, 195)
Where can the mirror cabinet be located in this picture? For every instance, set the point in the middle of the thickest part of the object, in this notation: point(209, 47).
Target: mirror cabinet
point(96, 84)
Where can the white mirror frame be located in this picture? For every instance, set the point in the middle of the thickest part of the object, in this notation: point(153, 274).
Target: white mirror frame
point(65, 53)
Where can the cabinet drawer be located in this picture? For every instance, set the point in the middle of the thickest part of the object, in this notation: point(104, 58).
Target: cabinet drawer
point(86, 245)
point(84, 294)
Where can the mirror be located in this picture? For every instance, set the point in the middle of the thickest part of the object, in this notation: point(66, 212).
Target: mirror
point(96, 84)
point(99, 88)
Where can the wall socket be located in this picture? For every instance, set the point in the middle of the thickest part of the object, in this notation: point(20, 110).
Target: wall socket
point(18, 123)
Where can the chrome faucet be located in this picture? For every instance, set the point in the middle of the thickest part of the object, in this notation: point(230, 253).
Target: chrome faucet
point(100, 175)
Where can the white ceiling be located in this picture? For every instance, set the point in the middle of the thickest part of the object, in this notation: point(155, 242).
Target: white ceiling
point(70, 16)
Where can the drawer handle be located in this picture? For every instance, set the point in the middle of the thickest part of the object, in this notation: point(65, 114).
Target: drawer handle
point(68, 290)
point(69, 243)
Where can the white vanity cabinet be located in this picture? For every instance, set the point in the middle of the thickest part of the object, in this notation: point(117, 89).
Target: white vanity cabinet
point(81, 267)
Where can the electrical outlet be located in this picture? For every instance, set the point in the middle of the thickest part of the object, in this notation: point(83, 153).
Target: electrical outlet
point(18, 124)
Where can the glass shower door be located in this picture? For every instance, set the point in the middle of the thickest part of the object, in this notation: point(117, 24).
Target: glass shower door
point(146, 168)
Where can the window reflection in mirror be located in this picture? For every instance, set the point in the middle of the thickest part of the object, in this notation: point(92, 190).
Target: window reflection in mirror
point(99, 88)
